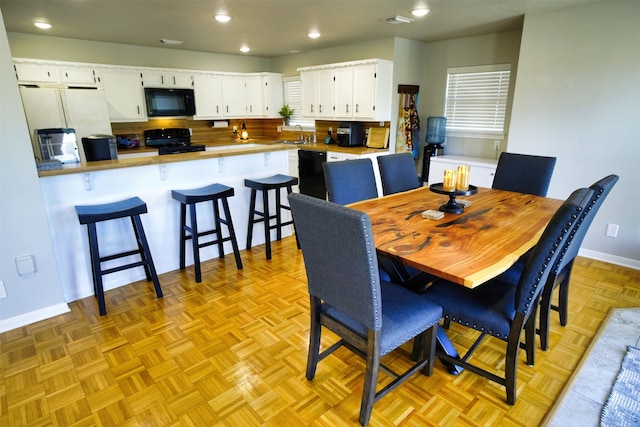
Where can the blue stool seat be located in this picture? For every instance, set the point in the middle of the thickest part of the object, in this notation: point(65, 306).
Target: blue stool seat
point(132, 208)
point(275, 182)
point(213, 193)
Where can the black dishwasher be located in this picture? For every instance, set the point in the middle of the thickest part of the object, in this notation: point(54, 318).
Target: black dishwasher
point(310, 173)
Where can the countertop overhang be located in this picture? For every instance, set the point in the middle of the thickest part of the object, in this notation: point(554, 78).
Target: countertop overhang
point(215, 149)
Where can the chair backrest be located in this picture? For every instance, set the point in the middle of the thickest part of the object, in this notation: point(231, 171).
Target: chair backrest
point(524, 173)
point(398, 173)
point(350, 181)
point(600, 189)
point(543, 255)
point(339, 257)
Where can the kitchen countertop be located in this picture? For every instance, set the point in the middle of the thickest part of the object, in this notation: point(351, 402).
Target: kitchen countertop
point(214, 149)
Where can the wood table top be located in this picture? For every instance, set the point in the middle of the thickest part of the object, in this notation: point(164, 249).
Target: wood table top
point(469, 248)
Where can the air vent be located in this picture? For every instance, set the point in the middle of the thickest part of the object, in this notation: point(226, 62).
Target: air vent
point(395, 20)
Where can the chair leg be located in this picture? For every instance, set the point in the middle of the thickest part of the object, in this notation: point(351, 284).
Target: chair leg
point(429, 348)
point(563, 293)
point(370, 377)
point(140, 244)
point(232, 233)
point(96, 268)
point(289, 191)
point(146, 253)
point(183, 234)
point(278, 214)
point(313, 355)
point(267, 230)
point(195, 243)
point(252, 209)
point(545, 311)
point(217, 227)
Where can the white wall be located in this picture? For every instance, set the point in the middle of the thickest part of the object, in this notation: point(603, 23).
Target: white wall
point(23, 224)
point(577, 97)
point(64, 49)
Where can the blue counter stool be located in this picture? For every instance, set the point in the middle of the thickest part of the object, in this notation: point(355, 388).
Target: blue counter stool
point(213, 193)
point(131, 208)
point(277, 183)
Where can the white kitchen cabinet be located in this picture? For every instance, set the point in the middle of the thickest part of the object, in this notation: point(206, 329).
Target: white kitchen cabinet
point(84, 110)
point(208, 96)
point(272, 95)
point(125, 96)
point(358, 90)
point(254, 96)
point(36, 73)
point(481, 171)
point(168, 79)
point(234, 95)
point(78, 76)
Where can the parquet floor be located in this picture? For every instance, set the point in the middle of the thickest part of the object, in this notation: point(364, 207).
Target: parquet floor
point(231, 351)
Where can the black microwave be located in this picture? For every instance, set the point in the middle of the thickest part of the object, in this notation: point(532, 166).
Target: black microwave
point(169, 102)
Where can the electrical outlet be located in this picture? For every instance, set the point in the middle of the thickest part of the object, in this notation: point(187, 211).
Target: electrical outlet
point(496, 144)
point(612, 230)
point(3, 290)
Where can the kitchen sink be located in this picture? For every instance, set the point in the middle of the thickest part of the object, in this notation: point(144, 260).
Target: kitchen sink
point(292, 142)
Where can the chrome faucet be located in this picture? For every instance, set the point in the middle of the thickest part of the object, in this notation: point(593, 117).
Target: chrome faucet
point(301, 137)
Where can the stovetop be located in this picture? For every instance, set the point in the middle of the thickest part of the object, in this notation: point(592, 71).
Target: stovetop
point(171, 140)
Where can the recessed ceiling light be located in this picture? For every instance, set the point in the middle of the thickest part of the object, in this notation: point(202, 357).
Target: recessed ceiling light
point(42, 25)
point(314, 34)
point(244, 49)
point(421, 11)
point(223, 18)
point(169, 41)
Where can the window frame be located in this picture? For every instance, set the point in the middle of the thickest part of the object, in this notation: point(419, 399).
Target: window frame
point(296, 104)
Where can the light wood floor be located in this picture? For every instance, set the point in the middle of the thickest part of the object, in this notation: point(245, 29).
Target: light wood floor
point(231, 351)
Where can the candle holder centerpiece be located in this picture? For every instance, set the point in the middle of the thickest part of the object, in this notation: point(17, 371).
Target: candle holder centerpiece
point(452, 206)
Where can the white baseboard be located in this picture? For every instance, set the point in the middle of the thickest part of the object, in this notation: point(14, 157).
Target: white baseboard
point(612, 259)
point(32, 317)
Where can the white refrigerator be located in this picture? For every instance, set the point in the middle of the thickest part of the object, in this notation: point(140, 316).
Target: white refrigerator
point(82, 109)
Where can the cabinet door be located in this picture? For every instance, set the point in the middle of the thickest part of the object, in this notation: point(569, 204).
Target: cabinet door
point(180, 80)
point(234, 96)
point(208, 96)
point(436, 170)
point(125, 97)
point(324, 95)
point(364, 91)
point(85, 76)
point(253, 88)
point(308, 83)
point(481, 176)
point(343, 92)
point(43, 110)
point(167, 79)
point(44, 73)
point(272, 95)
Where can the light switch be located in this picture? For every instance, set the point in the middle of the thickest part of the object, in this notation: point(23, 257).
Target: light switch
point(25, 265)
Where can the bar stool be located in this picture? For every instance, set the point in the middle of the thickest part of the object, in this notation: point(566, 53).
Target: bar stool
point(275, 182)
point(213, 193)
point(131, 208)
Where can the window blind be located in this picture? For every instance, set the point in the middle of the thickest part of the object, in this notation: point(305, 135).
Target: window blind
point(293, 96)
point(476, 100)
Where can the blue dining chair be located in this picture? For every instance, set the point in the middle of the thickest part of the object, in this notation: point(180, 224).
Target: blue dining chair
point(501, 310)
point(398, 173)
point(524, 173)
point(561, 273)
point(372, 317)
point(350, 181)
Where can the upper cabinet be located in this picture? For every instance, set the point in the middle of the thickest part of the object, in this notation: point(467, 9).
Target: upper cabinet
point(169, 79)
point(207, 91)
point(125, 95)
point(358, 90)
point(39, 72)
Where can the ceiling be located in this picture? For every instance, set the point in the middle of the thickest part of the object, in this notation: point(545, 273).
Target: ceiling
point(269, 28)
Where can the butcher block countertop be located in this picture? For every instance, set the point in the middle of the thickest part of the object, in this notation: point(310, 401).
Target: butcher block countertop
point(213, 150)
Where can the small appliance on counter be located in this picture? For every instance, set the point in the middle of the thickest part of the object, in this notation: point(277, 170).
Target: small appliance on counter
point(100, 147)
point(171, 140)
point(58, 144)
point(436, 127)
point(349, 134)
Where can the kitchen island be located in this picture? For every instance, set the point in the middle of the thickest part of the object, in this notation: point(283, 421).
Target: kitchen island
point(152, 178)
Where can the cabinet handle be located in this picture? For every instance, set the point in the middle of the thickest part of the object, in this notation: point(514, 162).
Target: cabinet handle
point(174, 80)
point(347, 108)
point(312, 108)
point(217, 110)
point(320, 109)
point(227, 108)
point(162, 79)
point(357, 108)
point(138, 107)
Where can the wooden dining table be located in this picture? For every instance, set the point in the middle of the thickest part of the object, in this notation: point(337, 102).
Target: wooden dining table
point(469, 248)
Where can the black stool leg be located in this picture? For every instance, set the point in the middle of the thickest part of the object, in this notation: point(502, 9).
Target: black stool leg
point(218, 229)
point(194, 241)
point(183, 234)
point(289, 191)
point(267, 221)
point(147, 273)
point(252, 209)
point(146, 254)
point(232, 232)
point(278, 214)
point(95, 267)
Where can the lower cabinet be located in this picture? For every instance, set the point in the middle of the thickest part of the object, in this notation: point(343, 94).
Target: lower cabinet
point(482, 170)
